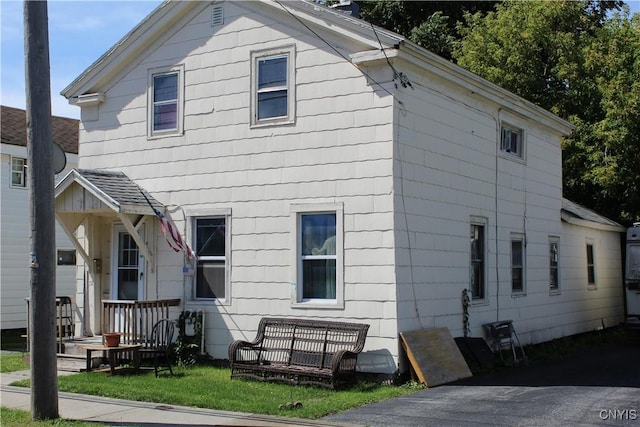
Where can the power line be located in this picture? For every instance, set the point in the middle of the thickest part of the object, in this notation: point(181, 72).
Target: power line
point(340, 53)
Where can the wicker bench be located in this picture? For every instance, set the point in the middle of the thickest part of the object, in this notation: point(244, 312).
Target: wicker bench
point(300, 351)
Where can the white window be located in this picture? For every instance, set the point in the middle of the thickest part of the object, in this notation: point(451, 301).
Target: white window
point(18, 172)
point(554, 257)
point(273, 86)
point(165, 102)
point(319, 259)
point(517, 263)
point(211, 248)
point(512, 141)
point(591, 264)
point(478, 251)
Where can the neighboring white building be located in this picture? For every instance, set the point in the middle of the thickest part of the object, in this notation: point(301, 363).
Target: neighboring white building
point(15, 275)
point(325, 169)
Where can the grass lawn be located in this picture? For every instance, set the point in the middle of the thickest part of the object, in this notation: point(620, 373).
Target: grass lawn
point(19, 418)
point(211, 387)
point(13, 362)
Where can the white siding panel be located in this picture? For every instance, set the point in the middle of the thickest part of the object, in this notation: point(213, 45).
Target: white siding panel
point(338, 148)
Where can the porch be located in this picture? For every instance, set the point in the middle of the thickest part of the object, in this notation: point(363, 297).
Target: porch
point(133, 319)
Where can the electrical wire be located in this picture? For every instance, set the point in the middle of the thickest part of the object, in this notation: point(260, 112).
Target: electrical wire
point(338, 52)
point(404, 80)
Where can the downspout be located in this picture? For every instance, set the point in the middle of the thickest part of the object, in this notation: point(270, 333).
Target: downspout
point(498, 136)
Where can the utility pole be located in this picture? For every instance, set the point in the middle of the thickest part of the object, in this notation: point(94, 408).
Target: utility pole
point(42, 333)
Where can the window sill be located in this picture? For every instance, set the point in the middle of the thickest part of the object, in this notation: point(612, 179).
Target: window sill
point(513, 157)
point(592, 287)
point(168, 134)
point(555, 292)
point(215, 301)
point(518, 294)
point(479, 302)
point(334, 305)
point(283, 121)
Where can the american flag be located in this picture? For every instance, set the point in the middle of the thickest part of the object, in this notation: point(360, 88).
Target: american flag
point(170, 232)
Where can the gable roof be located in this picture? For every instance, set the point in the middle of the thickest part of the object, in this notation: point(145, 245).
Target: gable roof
point(64, 131)
point(113, 188)
point(378, 44)
point(576, 214)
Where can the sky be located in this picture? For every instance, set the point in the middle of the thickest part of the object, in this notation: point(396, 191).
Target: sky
point(79, 33)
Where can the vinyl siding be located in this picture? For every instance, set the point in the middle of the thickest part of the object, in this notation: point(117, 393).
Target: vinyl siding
point(338, 151)
point(15, 245)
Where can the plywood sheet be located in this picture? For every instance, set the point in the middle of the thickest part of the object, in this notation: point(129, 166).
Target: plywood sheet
point(434, 356)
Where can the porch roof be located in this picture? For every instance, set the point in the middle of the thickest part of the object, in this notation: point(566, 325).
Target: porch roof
point(83, 193)
point(113, 189)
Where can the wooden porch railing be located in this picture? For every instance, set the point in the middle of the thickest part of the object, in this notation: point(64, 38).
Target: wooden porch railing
point(65, 323)
point(134, 319)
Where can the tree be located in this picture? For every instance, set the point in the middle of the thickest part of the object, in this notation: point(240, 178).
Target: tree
point(430, 24)
point(602, 159)
point(581, 62)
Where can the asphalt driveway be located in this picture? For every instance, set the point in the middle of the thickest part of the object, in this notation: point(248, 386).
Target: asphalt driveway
point(599, 386)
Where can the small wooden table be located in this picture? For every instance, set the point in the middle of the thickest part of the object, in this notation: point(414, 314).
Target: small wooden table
point(112, 354)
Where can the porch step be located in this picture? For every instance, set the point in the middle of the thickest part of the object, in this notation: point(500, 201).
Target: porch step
point(78, 346)
point(76, 363)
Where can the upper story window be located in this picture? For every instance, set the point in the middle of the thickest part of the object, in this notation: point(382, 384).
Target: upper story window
point(165, 102)
point(512, 141)
point(478, 260)
point(212, 256)
point(18, 172)
point(273, 86)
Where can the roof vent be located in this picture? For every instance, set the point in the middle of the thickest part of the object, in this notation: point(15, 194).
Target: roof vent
point(217, 15)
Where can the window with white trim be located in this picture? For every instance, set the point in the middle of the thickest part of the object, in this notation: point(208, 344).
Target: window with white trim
point(273, 86)
point(211, 248)
point(18, 172)
point(517, 263)
point(319, 255)
point(478, 251)
point(554, 259)
point(591, 264)
point(165, 102)
point(512, 141)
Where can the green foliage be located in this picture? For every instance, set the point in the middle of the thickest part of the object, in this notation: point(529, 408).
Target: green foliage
point(212, 387)
point(466, 301)
point(187, 347)
point(435, 35)
point(581, 62)
point(431, 24)
point(601, 162)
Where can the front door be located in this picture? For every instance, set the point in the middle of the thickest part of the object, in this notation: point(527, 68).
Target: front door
point(127, 267)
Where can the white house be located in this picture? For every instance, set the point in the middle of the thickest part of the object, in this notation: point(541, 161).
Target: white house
point(14, 215)
point(323, 168)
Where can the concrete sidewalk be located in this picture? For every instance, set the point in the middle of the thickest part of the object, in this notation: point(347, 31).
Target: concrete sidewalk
point(120, 412)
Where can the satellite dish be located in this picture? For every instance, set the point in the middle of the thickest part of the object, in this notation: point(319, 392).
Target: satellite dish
point(59, 159)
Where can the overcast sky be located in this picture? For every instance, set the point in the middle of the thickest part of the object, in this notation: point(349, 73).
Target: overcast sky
point(79, 33)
